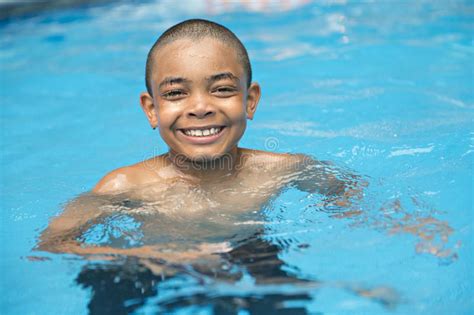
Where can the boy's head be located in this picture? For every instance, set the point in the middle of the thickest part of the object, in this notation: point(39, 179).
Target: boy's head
point(199, 90)
point(197, 29)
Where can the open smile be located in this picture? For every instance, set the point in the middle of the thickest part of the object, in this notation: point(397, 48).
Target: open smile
point(202, 135)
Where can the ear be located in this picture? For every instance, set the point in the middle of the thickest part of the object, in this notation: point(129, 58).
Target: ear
point(146, 102)
point(253, 96)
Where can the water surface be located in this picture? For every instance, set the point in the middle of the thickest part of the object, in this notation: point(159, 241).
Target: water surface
point(382, 89)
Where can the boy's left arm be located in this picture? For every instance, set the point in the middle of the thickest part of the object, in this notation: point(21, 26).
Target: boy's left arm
point(340, 187)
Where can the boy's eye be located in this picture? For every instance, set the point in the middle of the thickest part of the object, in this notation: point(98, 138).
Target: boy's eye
point(224, 90)
point(173, 94)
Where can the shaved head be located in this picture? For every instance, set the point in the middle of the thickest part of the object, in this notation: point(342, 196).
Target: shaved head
point(197, 29)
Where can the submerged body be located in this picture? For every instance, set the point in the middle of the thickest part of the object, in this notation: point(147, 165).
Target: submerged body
point(168, 202)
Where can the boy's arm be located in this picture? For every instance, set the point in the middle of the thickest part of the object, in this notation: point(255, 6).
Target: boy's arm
point(339, 186)
point(82, 212)
point(61, 235)
point(78, 215)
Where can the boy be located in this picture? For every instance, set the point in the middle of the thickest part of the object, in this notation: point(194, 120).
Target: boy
point(199, 95)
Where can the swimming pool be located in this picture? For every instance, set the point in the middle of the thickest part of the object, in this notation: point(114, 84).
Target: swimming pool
point(384, 89)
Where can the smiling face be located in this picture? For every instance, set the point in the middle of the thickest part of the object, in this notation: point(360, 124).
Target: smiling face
point(200, 99)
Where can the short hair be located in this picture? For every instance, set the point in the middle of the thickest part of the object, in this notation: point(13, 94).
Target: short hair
point(197, 29)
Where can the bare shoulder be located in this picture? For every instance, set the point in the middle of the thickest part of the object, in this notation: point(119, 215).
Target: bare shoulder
point(129, 177)
point(276, 161)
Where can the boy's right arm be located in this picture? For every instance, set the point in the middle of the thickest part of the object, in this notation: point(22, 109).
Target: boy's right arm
point(81, 212)
point(61, 235)
point(77, 216)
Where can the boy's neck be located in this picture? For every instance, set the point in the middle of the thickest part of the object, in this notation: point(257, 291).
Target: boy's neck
point(227, 165)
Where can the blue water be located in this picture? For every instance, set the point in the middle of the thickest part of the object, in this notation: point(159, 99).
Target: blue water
point(384, 89)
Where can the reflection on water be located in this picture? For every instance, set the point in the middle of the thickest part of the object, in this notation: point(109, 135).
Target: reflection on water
point(125, 285)
point(121, 287)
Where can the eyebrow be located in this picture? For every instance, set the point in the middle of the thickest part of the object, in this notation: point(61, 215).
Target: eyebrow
point(222, 76)
point(172, 80)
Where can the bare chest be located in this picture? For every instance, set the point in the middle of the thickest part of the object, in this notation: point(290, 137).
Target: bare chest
point(244, 193)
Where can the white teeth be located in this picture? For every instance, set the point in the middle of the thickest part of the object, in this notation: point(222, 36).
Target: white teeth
point(202, 132)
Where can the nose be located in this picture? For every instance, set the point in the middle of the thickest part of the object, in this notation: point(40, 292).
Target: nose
point(200, 108)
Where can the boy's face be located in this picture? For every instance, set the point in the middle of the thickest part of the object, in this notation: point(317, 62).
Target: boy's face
point(200, 99)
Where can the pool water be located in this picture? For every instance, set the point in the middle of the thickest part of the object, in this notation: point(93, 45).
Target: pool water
point(382, 89)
